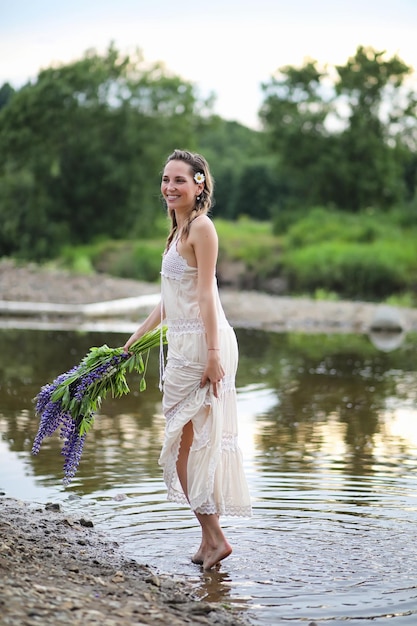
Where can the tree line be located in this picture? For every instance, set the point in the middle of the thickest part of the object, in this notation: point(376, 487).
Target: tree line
point(81, 147)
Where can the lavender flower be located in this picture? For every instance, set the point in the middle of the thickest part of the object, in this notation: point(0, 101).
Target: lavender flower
point(97, 375)
point(51, 412)
point(72, 451)
point(70, 402)
point(44, 396)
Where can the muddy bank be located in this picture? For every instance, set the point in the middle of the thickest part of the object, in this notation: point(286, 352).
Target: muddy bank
point(58, 570)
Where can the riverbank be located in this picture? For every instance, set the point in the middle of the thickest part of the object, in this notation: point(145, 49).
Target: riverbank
point(31, 294)
point(56, 570)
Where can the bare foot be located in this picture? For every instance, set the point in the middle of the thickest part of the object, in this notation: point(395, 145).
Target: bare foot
point(212, 557)
point(198, 557)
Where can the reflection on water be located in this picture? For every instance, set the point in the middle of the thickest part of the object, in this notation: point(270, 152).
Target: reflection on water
point(329, 434)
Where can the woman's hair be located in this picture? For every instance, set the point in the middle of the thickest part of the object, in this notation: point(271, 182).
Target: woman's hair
point(203, 202)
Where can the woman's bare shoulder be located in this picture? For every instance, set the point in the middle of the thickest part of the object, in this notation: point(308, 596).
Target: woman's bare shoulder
point(202, 225)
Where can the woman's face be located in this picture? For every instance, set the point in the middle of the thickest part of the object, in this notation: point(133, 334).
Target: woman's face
point(179, 187)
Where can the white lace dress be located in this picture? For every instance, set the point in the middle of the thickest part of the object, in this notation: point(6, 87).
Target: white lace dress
point(216, 480)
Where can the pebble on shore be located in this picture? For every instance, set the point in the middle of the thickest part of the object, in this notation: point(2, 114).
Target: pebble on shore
point(57, 570)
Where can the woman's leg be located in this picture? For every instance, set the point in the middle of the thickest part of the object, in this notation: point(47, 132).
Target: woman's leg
point(183, 454)
point(182, 469)
point(214, 546)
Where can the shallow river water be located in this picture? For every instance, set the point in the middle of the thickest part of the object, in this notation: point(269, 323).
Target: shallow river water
point(328, 428)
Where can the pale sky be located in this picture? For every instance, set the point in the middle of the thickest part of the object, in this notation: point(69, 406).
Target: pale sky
point(228, 47)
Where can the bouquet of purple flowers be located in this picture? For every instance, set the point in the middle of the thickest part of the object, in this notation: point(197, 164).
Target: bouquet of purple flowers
point(71, 401)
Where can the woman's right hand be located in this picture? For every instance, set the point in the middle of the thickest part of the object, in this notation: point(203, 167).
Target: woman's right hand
point(151, 322)
point(126, 347)
point(130, 341)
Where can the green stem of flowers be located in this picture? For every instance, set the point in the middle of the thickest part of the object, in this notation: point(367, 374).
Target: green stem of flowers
point(82, 411)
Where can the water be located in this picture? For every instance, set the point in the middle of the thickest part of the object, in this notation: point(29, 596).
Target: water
point(329, 434)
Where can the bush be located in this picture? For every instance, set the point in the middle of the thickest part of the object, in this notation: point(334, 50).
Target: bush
point(140, 259)
point(405, 299)
point(141, 262)
point(249, 241)
point(284, 218)
point(353, 270)
point(325, 225)
point(327, 255)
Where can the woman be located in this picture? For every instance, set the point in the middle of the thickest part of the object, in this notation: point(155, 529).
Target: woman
point(201, 460)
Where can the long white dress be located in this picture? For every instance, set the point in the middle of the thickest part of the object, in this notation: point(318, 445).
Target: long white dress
point(216, 480)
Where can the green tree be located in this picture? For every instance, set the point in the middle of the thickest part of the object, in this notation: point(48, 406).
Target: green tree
point(232, 149)
point(257, 189)
point(371, 87)
point(340, 136)
point(294, 113)
point(81, 150)
point(6, 92)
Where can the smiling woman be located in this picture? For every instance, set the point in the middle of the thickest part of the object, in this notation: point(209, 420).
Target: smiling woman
point(201, 459)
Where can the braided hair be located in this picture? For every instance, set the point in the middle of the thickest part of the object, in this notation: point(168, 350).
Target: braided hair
point(203, 202)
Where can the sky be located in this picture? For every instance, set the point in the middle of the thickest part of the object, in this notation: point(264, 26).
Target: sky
point(225, 47)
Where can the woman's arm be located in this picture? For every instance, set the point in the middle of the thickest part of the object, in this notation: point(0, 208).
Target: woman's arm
point(203, 238)
point(151, 322)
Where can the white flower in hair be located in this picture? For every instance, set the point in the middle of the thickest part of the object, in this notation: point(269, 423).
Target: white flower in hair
point(199, 177)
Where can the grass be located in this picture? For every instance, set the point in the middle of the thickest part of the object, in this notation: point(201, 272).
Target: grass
point(325, 254)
